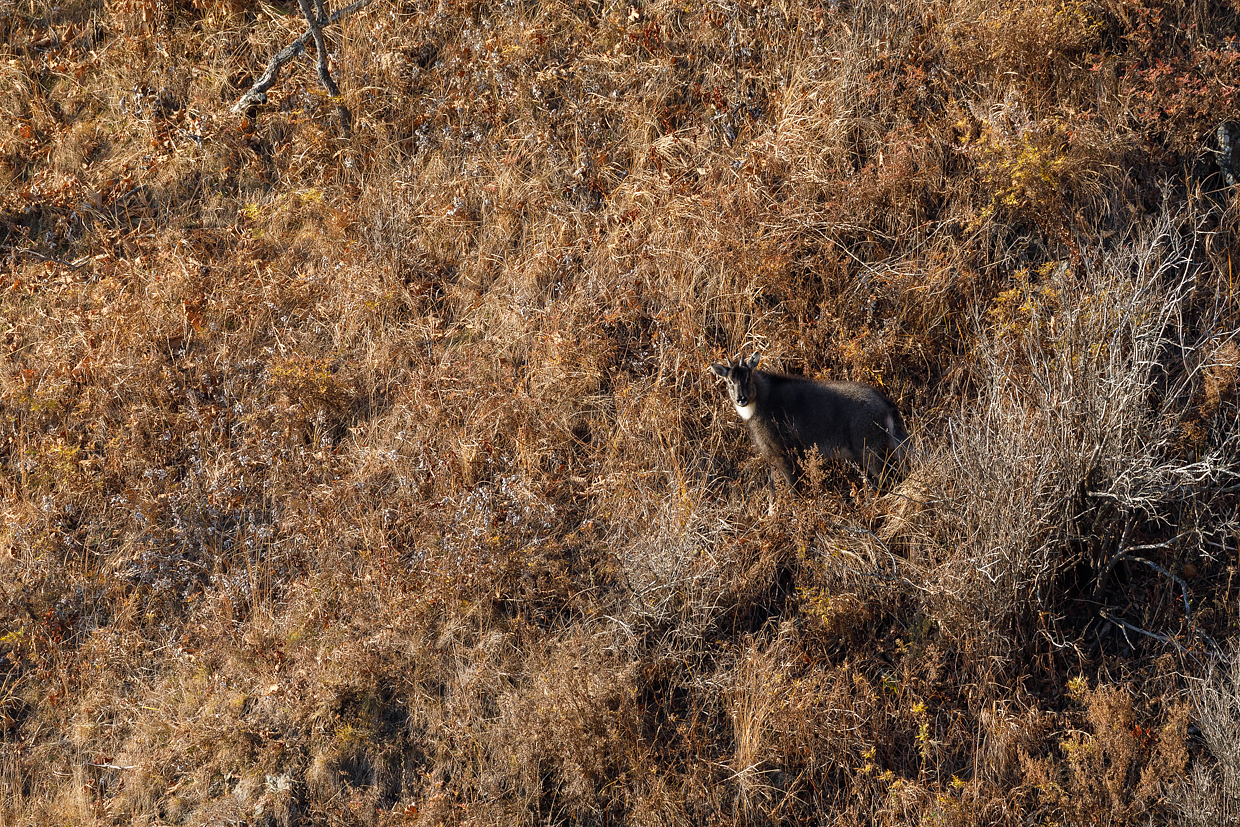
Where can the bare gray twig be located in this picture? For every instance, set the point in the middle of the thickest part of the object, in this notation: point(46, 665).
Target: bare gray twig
point(320, 47)
point(257, 93)
point(1188, 615)
point(1179, 647)
point(72, 265)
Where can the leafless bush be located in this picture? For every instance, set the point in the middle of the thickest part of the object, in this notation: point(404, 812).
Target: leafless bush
point(1211, 793)
point(1084, 385)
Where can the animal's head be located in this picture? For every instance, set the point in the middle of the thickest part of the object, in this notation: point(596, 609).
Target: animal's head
point(739, 377)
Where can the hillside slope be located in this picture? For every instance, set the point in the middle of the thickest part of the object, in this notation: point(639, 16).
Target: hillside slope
point(379, 477)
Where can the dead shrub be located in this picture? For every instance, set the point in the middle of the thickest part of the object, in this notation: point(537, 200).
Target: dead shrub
point(1118, 770)
point(1068, 405)
point(1210, 794)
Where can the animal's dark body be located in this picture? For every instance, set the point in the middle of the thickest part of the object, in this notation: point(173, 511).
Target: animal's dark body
point(788, 415)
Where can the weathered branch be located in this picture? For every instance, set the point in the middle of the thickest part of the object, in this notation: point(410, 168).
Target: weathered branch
point(72, 265)
point(320, 47)
point(1124, 552)
point(1188, 615)
point(1126, 625)
point(1100, 586)
point(257, 93)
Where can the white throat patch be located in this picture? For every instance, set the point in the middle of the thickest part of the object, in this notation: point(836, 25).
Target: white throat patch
point(746, 411)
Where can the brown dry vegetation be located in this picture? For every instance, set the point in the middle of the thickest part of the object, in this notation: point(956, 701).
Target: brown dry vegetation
point(380, 479)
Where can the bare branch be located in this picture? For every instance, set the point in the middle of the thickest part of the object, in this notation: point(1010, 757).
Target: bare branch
point(258, 92)
point(72, 265)
point(1100, 586)
point(1179, 647)
point(1188, 615)
point(325, 75)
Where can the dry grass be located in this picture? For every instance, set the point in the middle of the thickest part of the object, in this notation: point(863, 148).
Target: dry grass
point(381, 480)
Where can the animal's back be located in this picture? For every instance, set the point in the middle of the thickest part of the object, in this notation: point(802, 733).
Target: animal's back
point(845, 420)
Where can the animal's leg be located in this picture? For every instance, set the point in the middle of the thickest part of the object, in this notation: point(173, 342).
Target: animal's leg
point(788, 471)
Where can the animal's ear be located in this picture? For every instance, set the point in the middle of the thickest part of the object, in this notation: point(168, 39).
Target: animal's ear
point(753, 361)
point(720, 370)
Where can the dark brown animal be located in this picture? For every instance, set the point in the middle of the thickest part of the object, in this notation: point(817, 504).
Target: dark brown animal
point(787, 416)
